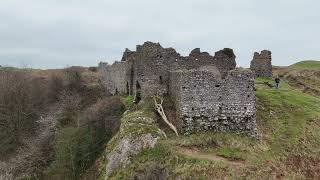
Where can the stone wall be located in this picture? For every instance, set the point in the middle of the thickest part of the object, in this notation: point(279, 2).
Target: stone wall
point(116, 77)
point(153, 63)
point(205, 101)
point(261, 64)
point(147, 69)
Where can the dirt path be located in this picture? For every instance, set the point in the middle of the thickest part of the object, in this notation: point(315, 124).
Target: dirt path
point(31, 155)
point(196, 153)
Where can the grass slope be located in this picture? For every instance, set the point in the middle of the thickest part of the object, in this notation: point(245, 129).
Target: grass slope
point(288, 148)
point(306, 65)
point(303, 75)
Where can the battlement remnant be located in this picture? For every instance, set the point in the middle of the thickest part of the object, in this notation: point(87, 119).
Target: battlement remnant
point(261, 64)
point(208, 91)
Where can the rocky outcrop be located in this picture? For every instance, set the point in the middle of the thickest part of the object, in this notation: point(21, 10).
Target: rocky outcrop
point(128, 147)
point(138, 132)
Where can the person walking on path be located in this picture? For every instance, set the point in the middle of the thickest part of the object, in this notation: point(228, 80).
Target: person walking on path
point(277, 80)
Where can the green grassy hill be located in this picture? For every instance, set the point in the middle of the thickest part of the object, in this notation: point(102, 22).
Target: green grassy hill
point(306, 65)
point(304, 75)
point(288, 147)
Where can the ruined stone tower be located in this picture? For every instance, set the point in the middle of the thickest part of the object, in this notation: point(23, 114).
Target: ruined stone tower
point(261, 64)
point(208, 91)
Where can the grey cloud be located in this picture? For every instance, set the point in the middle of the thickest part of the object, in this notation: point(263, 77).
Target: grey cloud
point(49, 34)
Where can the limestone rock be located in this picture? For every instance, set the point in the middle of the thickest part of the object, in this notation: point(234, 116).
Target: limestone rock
point(127, 147)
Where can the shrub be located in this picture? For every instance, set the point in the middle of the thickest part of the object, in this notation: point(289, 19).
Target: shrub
point(74, 79)
point(93, 69)
point(81, 136)
point(21, 101)
point(56, 86)
point(70, 103)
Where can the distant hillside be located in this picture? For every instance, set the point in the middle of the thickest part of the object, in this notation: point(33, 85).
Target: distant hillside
point(306, 65)
point(304, 75)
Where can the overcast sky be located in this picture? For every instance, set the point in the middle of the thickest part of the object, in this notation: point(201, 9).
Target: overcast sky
point(57, 33)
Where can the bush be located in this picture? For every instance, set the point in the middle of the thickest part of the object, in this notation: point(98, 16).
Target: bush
point(70, 103)
point(81, 136)
point(21, 101)
point(56, 86)
point(74, 79)
point(93, 69)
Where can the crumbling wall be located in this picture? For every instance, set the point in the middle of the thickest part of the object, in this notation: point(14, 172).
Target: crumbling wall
point(116, 77)
point(153, 63)
point(151, 68)
point(261, 64)
point(146, 70)
point(225, 61)
point(205, 101)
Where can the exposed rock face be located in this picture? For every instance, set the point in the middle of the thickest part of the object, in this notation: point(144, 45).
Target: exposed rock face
point(261, 64)
point(205, 101)
point(138, 132)
point(128, 147)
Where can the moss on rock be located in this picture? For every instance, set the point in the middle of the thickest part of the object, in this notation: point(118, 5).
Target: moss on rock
point(138, 132)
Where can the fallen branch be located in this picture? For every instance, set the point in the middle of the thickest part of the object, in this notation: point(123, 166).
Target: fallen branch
point(159, 109)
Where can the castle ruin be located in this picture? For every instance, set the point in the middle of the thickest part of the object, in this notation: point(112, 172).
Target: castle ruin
point(209, 92)
point(261, 64)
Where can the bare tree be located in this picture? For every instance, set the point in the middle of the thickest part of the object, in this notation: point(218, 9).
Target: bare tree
point(158, 106)
point(20, 99)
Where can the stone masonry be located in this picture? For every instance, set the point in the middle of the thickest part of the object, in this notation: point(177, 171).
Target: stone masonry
point(208, 91)
point(205, 101)
point(261, 64)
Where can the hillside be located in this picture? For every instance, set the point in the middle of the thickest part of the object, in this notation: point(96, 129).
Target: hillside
point(312, 64)
point(143, 147)
point(304, 75)
point(53, 123)
point(288, 147)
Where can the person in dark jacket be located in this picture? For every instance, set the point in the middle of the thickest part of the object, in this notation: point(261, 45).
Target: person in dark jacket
point(277, 80)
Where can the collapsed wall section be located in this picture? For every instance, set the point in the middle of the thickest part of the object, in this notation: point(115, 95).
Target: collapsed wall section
point(205, 101)
point(261, 64)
